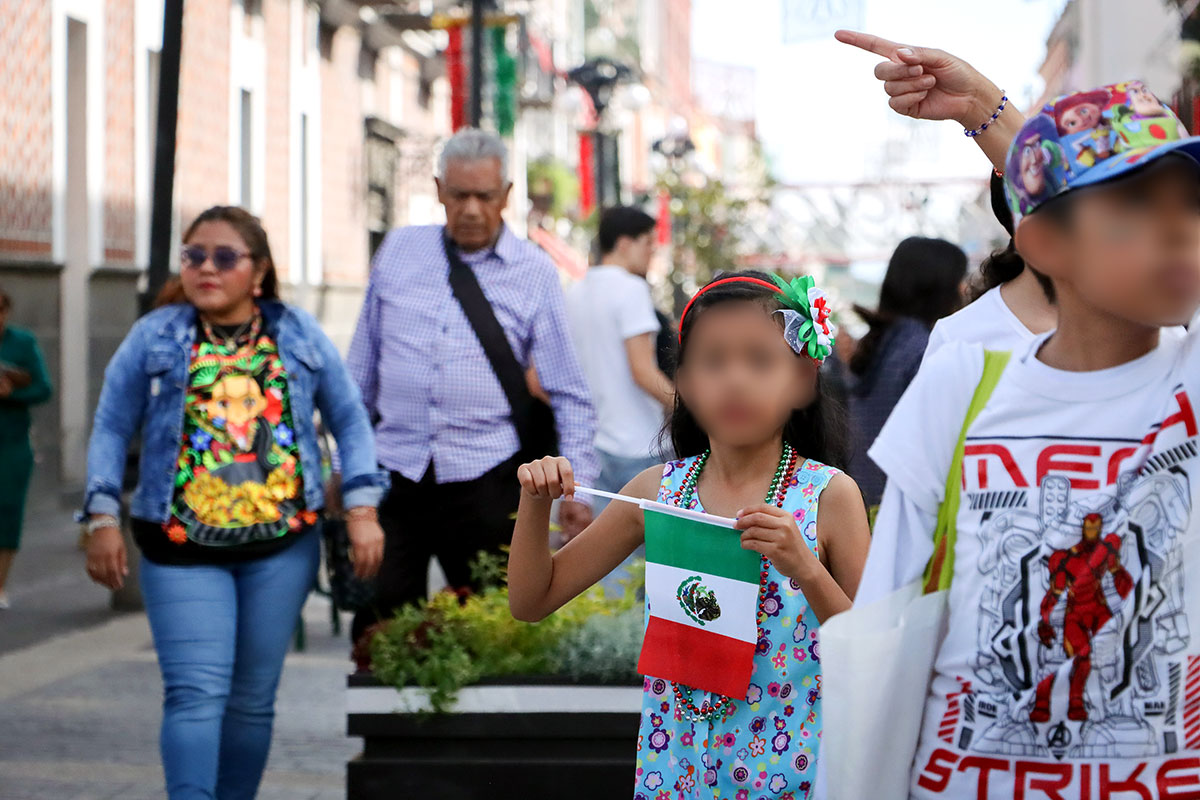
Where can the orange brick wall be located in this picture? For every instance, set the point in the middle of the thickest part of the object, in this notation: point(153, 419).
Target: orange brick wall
point(202, 137)
point(118, 133)
point(678, 49)
point(26, 139)
point(276, 30)
point(203, 132)
point(343, 181)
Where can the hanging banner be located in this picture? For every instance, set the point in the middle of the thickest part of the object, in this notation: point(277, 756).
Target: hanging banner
point(456, 76)
point(806, 20)
point(587, 173)
point(662, 225)
point(504, 86)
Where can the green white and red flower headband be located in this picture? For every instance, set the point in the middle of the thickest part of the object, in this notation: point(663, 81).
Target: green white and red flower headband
point(807, 326)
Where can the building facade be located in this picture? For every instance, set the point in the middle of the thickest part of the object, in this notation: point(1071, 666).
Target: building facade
point(1098, 42)
point(318, 117)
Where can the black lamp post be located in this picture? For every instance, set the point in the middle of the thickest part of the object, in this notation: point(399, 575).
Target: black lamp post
point(158, 271)
point(675, 147)
point(599, 77)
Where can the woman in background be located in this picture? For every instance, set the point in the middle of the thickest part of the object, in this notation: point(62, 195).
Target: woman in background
point(23, 384)
point(924, 283)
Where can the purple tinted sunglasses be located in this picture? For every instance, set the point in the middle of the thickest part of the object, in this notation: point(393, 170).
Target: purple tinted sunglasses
point(223, 258)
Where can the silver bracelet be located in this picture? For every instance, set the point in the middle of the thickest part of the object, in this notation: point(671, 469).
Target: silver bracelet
point(102, 521)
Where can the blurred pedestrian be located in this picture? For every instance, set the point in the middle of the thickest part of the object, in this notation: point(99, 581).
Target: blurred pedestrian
point(615, 329)
point(924, 282)
point(452, 319)
point(221, 382)
point(23, 384)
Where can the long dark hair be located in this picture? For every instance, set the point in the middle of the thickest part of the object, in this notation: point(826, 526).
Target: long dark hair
point(250, 228)
point(923, 283)
point(1000, 267)
point(1005, 264)
point(817, 431)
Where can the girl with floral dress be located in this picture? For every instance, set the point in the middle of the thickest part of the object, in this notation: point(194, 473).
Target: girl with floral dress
point(750, 415)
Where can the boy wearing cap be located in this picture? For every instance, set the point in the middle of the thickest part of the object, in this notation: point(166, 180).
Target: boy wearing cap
point(1069, 668)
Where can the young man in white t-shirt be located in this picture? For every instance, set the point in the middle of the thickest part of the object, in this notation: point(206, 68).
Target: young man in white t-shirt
point(1069, 669)
point(615, 328)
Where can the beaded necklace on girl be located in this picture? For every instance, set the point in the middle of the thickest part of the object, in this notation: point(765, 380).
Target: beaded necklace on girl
point(683, 497)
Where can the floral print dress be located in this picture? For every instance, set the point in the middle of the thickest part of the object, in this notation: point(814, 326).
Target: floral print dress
point(765, 747)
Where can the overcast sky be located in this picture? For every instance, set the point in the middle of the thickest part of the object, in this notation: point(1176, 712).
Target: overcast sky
point(822, 114)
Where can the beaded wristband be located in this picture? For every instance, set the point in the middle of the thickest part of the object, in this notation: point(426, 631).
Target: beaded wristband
point(999, 110)
point(361, 513)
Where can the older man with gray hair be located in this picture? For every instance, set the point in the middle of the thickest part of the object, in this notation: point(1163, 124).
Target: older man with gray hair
point(453, 317)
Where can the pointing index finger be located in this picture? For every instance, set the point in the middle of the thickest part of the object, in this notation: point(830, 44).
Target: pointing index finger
point(869, 42)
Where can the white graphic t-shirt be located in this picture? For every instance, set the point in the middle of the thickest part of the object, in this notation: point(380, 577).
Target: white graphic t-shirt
point(1069, 669)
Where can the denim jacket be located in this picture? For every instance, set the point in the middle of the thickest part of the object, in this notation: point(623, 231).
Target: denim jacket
point(144, 390)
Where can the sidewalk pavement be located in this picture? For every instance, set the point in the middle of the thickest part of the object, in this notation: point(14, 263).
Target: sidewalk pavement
point(80, 711)
point(49, 589)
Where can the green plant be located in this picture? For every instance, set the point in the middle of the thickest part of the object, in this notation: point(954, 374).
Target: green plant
point(710, 227)
point(604, 648)
point(453, 641)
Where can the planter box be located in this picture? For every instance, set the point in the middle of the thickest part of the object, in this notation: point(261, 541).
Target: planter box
point(530, 739)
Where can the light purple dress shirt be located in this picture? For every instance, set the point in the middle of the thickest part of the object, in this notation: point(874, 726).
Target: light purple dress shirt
point(424, 376)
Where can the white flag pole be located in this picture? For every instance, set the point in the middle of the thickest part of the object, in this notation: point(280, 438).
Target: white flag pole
point(608, 495)
point(650, 505)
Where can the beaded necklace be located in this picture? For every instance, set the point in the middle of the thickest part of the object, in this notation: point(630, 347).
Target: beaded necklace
point(683, 497)
point(243, 336)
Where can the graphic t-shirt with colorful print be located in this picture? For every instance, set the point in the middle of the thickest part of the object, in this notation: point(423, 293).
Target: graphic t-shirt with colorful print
point(239, 489)
point(1069, 669)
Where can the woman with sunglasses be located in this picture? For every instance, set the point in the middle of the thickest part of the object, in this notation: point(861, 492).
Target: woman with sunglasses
point(221, 382)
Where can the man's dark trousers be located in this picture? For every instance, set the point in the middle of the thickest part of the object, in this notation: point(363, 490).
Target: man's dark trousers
point(452, 521)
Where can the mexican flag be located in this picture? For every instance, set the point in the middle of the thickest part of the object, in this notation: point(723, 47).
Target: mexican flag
point(702, 590)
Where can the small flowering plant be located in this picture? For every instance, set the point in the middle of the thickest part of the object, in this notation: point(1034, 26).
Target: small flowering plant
point(456, 639)
point(807, 325)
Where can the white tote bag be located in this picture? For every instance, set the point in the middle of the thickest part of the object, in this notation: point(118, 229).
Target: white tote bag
point(877, 660)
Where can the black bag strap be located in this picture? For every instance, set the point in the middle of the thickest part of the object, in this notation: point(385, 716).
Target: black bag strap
point(494, 341)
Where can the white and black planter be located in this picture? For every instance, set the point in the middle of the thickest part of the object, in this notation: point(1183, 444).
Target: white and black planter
point(528, 738)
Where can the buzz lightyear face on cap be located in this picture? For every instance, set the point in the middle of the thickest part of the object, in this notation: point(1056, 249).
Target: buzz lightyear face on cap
point(1142, 102)
point(1033, 165)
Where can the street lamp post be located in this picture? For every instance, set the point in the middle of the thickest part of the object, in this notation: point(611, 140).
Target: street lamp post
point(158, 271)
point(675, 147)
point(599, 77)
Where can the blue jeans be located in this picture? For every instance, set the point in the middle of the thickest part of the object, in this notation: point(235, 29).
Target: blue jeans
point(615, 472)
point(221, 633)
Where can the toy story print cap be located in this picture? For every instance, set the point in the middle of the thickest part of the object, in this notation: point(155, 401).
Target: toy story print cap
point(1088, 137)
